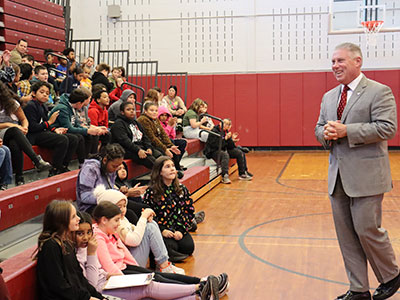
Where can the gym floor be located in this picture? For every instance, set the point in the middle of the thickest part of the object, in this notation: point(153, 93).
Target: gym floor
point(274, 235)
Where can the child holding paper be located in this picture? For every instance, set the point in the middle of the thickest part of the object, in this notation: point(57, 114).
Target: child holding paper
point(86, 253)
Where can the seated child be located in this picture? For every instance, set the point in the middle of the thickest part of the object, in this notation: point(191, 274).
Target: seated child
point(69, 120)
point(5, 166)
point(41, 74)
point(127, 132)
point(158, 137)
point(86, 82)
point(142, 238)
point(74, 81)
point(173, 206)
point(98, 114)
point(14, 127)
point(42, 133)
point(192, 124)
point(100, 76)
point(24, 85)
point(126, 96)
point(86, 254)
point(203, 110)
point(116, 259)
point(169, 124)
point(58, 273)
point(228, 150)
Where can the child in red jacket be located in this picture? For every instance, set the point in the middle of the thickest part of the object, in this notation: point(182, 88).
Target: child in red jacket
point(98, 113)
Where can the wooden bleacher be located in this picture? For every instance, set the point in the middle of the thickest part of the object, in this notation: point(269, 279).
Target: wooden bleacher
point(22, 203)
point(40, 22)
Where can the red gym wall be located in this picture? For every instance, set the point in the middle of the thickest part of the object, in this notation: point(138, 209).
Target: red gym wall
point(275, 110)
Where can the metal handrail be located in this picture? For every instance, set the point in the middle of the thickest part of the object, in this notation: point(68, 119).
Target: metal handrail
point(58, 71)
point(68, 67)
point(137, 87)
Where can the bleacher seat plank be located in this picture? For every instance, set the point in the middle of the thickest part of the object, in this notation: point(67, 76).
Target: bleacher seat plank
point(196, 177)
point(135, 170)
point(43, 5)
point(19, 273)
point(13, 36)
point(32, 14)
point(27, 201)
point(194, 146)
point(19, 24)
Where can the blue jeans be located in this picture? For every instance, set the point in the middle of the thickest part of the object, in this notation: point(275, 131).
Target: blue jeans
point(152, 240)
point(5, 165)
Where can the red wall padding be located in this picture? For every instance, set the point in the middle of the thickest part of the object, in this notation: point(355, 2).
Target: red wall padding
point(272, 110)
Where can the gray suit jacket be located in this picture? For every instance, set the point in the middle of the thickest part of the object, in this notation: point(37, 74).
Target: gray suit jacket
point(361, 157)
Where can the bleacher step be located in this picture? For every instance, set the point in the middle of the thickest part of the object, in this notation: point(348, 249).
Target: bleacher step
point(20, 237)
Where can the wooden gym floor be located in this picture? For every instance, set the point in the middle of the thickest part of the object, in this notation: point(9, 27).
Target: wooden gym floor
point(274, 235)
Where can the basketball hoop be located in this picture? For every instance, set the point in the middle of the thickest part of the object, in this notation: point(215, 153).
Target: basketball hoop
point(371, 28)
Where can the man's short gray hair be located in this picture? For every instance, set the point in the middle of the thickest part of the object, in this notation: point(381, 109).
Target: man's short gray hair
point(353, 48)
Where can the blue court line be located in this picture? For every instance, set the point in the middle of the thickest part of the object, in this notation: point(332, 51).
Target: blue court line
point(251, 254)
point(268, 237)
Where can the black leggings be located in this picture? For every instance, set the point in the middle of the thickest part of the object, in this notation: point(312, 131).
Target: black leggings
point(162, 277)
point(87, 144)
point(147, 162)
point(19, 144)
point(134, 211)
point(185, 245)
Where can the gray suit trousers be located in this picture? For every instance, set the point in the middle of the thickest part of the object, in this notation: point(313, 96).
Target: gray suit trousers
point(361, 238)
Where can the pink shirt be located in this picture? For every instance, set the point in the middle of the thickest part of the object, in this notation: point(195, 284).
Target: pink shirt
point(91, 268)
point(112, 253)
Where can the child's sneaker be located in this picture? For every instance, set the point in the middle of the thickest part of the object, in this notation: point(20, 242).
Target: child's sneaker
point(245, 177)
point(225, 179)
point(223, 284)
point(170, 268)
point(209, 291)
point(42, 165)
point(199, 216)
point(249, 174)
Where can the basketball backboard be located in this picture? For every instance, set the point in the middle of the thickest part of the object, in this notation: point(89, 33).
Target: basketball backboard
point(345, 16)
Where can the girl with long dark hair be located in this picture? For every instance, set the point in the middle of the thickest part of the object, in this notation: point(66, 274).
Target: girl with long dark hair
point(58, 272)
point(172, 204)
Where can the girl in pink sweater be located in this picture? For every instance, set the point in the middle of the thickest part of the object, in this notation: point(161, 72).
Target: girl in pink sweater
point(86, 253)
point(116, 259)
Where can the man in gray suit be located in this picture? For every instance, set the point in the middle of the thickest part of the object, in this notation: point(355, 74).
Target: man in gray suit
point(355, 122)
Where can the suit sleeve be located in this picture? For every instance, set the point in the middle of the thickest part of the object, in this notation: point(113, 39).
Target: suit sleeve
point(383, 122)
point(319, 128)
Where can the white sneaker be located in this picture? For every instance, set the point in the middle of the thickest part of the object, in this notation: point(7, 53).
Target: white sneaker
point(225, 179)
point(245, 177)
point(172, 269)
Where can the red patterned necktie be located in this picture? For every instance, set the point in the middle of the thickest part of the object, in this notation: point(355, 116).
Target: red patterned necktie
point(342, 103)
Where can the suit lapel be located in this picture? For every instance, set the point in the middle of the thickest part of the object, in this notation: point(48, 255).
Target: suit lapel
point(333, 103)
point(357, 93)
